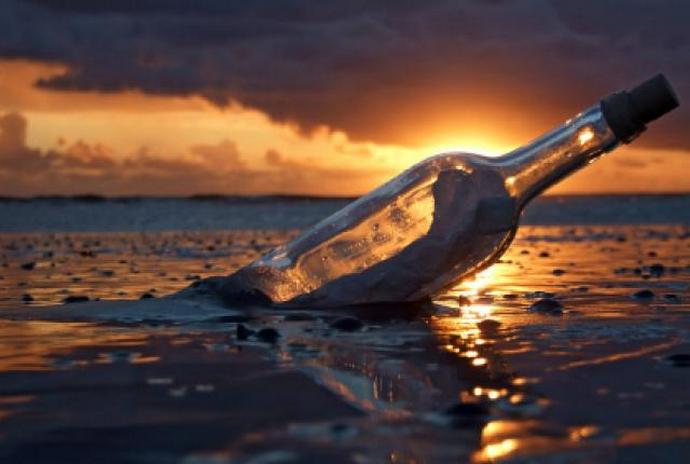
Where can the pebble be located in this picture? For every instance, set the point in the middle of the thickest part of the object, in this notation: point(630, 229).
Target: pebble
point(466, 414)
point(657, 270)
point(28, 266)
point(243, 332)
point(679, 360)
point(546, 306)
point(671, 298)
point(488, 325)
point(347, 324)
point(75, 299)
point(268, 335)
point(146, 296)
point(467, 409)
point(27, 298)
point(463, 301)
point(643, 295)
point(558, 272)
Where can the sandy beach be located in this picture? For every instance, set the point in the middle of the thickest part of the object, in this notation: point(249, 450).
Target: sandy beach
point(574, 347)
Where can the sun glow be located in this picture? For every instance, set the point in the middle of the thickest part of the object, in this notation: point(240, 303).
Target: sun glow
point(480, 146)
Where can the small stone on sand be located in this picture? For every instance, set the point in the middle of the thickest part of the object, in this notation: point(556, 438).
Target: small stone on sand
point(546, 306)
point(679, 360)
point(268, 335)
point(488, 325)
point(243, 332)
point(643, 295)
point(347, 324)
point(76, 299)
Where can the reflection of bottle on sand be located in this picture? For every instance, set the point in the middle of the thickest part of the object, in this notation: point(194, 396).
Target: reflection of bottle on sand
point(441, 220)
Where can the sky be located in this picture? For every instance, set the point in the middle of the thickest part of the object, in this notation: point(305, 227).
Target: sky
point(181, 97)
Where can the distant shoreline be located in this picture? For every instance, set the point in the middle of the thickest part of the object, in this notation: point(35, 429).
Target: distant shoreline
point(94, 198)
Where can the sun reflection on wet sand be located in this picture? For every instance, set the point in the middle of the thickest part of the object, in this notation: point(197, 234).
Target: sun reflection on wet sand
point(485, 322)
point(502, 439)
point(43, 343)
point(500, 449)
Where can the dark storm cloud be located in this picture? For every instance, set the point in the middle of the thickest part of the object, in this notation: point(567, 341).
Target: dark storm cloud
point(385, 71)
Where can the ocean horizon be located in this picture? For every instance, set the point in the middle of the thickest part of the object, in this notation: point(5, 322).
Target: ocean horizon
point(94, 213)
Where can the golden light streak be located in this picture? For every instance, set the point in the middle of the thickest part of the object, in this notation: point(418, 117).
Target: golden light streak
point(480, 282)
point(500, 449)
point(585, 135)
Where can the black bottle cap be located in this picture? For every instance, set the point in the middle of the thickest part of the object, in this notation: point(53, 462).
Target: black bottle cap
point(628, 112)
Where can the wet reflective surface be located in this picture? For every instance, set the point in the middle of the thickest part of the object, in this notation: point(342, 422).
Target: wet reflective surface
point(574, 348)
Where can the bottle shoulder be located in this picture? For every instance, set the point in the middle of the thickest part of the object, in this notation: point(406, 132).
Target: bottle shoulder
point(460, 160)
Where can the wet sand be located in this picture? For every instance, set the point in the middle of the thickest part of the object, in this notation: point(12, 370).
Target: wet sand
point(574, 348)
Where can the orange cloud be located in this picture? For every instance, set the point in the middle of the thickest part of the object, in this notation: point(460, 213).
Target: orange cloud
point(219, 169)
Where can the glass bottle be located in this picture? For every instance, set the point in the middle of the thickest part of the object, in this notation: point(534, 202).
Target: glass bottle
point(441, 220)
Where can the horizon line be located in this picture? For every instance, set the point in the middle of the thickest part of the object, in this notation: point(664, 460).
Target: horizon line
point(93, 197)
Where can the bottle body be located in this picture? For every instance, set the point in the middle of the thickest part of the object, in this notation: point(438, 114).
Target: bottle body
point(401, 242)
point(438, 222)
point(441, 220)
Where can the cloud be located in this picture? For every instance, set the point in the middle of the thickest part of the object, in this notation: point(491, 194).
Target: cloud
point(273, 157)
point(394, 72)
point(80, 167)
point(223, 155)
point(13, 150)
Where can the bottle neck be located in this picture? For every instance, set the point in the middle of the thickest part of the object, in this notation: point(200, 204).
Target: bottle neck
point(531, 169)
